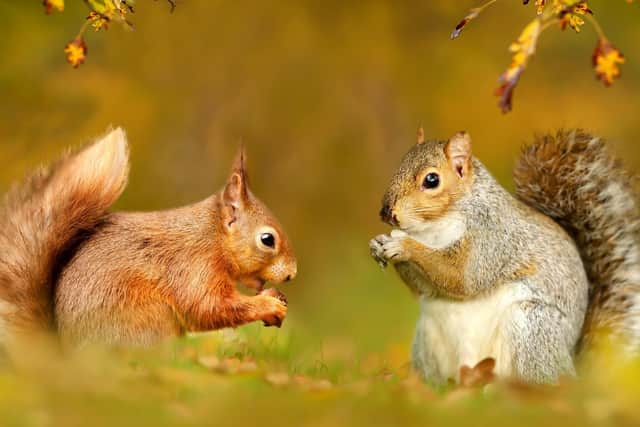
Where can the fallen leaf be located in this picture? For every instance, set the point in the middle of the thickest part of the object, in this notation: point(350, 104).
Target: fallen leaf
point(311, 384)
point(459, 394)
point(479, 375)
point(278, 379)
point(210, 362)
point(231, 365)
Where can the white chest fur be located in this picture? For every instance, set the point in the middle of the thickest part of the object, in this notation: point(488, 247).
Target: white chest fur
point(456, 333)
point(439, 233)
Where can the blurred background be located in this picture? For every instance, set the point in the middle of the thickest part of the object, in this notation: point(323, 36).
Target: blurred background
point(327, 96)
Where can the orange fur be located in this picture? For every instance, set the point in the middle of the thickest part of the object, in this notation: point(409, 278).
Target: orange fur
point(444, 267)
point(134, 278)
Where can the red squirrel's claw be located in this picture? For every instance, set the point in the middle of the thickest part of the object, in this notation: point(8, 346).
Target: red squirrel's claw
point(277, 323)
point(275, 293)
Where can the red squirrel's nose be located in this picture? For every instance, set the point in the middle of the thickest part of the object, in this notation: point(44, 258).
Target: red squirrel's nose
point(292, 274)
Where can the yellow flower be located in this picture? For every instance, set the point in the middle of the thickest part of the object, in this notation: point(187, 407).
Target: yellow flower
point(568, 15)
point(98, 21)
point(76, 51)
point(571, 20)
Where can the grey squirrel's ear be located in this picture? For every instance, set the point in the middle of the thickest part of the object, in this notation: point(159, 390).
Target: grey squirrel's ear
point(420, 135)
point(235, 191)
point(458, 151)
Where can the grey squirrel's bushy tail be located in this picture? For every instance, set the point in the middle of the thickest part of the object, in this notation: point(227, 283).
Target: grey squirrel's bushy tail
point(572, 178)
point(41, 218)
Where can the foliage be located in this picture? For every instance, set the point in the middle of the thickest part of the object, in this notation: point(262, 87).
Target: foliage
point(562, 13)
point(101, 14)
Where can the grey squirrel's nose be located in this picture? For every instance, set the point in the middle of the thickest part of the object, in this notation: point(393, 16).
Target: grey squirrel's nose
point(385, 212)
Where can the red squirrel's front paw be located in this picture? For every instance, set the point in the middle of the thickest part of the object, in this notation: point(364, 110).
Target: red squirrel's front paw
point(275, 293)
point(275, 309)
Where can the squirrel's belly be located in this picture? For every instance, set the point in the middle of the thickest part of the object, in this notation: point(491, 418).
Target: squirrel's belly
point(457, 333)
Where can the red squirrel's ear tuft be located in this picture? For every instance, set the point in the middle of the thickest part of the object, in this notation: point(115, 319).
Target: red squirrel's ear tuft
point(458, 151)
point(235, 191)
point(420, 135)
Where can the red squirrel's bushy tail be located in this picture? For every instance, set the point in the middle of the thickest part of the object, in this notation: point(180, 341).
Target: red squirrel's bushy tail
point(572, 178)
point(42, 217)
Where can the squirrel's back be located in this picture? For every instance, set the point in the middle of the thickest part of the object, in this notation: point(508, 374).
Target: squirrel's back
point(572, 178)
point(43, 218)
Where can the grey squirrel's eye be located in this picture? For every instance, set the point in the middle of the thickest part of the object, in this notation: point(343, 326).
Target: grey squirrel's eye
point(431, 181)
point(268, 240)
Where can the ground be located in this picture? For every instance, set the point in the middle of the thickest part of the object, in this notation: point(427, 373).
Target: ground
point(258, 376)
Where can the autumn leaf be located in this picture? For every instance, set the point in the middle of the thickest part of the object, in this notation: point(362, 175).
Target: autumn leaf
point(311, 384)
point(282, 379)
point(50, 5)
point(566, 14)
point(473, 14)
point(230, 365)
point(76, 51)
point(479, 375)
point(278, 379)
point(101, 14)
point(523, 49)
point(606, 61)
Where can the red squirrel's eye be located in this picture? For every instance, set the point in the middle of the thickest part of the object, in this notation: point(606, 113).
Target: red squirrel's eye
point(431, 181)
point(268, 240)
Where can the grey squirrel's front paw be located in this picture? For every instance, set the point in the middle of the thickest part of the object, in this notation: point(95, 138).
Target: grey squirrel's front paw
point(387, 248)
point(377, 252)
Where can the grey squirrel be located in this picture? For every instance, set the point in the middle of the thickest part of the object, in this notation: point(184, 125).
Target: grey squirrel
point(530, 281)
point(69, 266)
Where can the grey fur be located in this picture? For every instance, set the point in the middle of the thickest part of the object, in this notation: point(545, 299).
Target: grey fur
point(510, 245)
point(572, 177)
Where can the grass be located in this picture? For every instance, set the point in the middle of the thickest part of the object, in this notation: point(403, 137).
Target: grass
point(255, 376)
